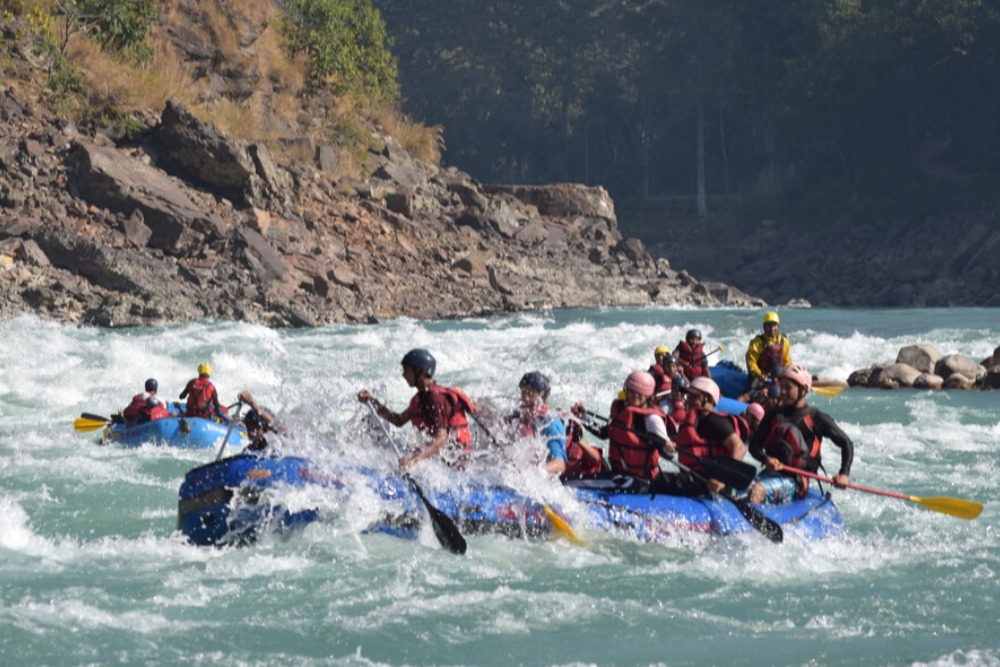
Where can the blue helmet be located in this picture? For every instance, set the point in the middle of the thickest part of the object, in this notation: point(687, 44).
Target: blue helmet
point(422, 360)
point(693, 333)
point(537, 381)
point(152, 384)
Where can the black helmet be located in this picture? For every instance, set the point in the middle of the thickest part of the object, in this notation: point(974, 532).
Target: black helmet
point(421, 359)
point(151, 384)
point(537, 381)
point(693, 333)
point(668, 359)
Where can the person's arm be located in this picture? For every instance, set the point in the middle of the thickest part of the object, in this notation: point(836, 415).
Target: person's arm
point(185, 391)
point(753, 354)
point(756, 445)
point(555, 432)
point(827, 428)
point(438, 441)
point(394, 418)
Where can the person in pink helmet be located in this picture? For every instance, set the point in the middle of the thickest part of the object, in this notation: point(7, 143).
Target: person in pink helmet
point(704, 433)
point(791, 435)
point(754, 414)
point(636, 430)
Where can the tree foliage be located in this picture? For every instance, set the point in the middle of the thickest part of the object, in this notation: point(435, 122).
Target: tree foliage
point(345, 44)
point(844, 96)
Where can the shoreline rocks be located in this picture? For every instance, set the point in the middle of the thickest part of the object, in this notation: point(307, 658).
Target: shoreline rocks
point(923, 366)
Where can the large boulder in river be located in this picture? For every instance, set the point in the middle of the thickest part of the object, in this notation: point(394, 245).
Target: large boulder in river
point(958, 363)
point(922, 357)
point(928, 381)
point(903, 374)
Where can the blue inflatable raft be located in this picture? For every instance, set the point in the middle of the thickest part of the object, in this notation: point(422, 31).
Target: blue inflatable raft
point(175, 431)
point(732, 379)
point(234, 500)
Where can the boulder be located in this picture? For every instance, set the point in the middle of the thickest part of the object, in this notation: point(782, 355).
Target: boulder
point(958, 381)
point(928, 381)
point(903, 374)
point(960, 364)
point(881, 379)
point(922, 357)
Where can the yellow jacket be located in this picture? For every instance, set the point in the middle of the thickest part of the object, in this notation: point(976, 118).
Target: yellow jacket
point(762, 356)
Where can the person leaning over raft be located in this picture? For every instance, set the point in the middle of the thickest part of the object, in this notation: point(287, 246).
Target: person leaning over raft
point(768, 352)
point(144, 407)
point(535, 419)
point(202, 398)
point(440, 413)
point(258, 421)
point(704, 433)
point(792, 434)
point(636, 431)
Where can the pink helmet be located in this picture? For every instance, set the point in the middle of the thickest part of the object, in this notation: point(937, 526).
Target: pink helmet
point(755, 410)
point(707, 386)
point(798, 374)
point(641, 382)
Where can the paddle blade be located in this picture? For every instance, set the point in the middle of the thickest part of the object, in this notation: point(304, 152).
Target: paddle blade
point(445, 529)
point(732, 473)
point(97, 418)
point(829, 392)
point(560, 525)
point(84, 425)
point(963, 509)
point(763, 524)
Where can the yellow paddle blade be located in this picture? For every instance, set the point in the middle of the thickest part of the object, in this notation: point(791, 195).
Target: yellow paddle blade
point(963, 509)
point(561, 526)
point(84, 425)
point(829, 392)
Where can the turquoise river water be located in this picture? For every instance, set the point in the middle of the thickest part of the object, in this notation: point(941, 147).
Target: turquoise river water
point(93, 572)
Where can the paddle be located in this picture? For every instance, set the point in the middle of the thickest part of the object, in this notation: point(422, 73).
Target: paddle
point(87, 422)
point(559, 524)
point(736, 474)
point(963, 509)
point(229, 431)
point(731, 472)
point(829, 392)
point(445, 529)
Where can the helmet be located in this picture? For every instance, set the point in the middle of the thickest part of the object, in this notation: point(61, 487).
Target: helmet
point(755, 410)
point(771, 316)
point(773, 391)
point(152, 384)
point(798, 374)
point(537, 381)
point(661, 349)
point(204, 368)
point(706, 386)
point(641, 382)
point(253, 419)
point(422, 360)
point(693, 333)
point(669, 359)
point(680, 381)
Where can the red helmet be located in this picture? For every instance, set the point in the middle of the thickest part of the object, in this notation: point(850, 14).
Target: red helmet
point(641, 382)
point(706, 386)
point(798, 374)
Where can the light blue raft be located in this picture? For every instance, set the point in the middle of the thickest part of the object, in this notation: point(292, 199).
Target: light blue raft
point(175, 431)
point(234, 500)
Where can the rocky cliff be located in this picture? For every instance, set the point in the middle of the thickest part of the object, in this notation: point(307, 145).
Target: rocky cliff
point(182, 222)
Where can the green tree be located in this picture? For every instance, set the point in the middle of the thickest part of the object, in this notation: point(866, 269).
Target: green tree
point(346, 46)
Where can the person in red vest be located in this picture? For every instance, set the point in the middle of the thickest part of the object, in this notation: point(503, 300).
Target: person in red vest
point(690, 354)
point(440, 413)
point(145, 407)
point(791, 434)
point(202, 398)
point(768, 352)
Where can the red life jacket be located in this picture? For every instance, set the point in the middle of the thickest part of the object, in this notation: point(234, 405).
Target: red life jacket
point(694, 356)
point(199, 400)
point(690, 443)
point(795, 443)
point(628, 452)
point(577, 461)
point(663, 381)
point(458, 422)
point(143, 409)
point(771, 355)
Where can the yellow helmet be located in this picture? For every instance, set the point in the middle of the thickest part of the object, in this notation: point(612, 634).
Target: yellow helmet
point(771, 317)
point(204, 368)
point(662, 349)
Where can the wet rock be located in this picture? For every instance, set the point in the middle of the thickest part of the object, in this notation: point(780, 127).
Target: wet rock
point(922, 357)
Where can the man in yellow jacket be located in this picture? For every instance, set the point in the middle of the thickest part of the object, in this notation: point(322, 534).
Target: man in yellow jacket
point(768, 352)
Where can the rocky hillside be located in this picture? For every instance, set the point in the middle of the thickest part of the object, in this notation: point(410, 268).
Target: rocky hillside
point(180, 222)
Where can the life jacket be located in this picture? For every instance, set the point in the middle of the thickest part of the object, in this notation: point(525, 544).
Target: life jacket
point(694, 356)
point(627, 451)
point(690, 444)
point(577, 461)
point(199, 401)
point(742, 427)
point(458, 422)
point(663, 382)
point(795, 443)
point(771, 355)
point(138, 409)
